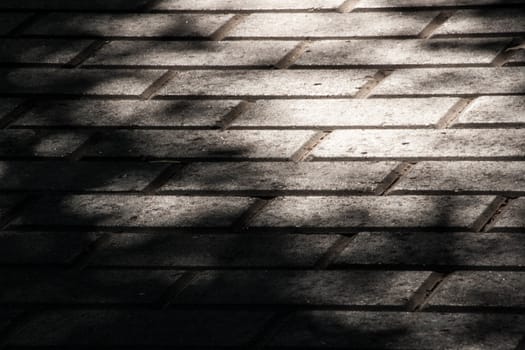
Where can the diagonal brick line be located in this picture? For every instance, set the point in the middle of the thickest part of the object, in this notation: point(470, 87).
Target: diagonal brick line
point(454, 112)
point(427, 289)
point(226, 28)
point(392, 178)
point(490, 214)
point(234, 113)
point(305, 150)
point(15, 211)
point(174, 290)
point(28, 22)
point(505, 54)
point(347, 6)
point(15, 114)
point(291, 57)
point(334, 251)
point(439, 20)
point(501, 204)
point(158, 84)
point(88, 52)
point(366, 90)
point(243, 221)
point(164, 176)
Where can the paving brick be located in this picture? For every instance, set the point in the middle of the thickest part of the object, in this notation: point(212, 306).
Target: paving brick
point(514, 215)
point(453, 81)
point(39, 51)
point(304, 287)
point(77, 82)
point(201, 144)
point(414, 144)
point(481, 288)
point(134, 211)
point(393, 330)
point(487, 21)
point(128, 25)
point(7, 105)
point(319, 25)
point(401, 52)
point(337, 83)
point(372, 212)
point(89, 176)
point(72, 5)
point(429, 3)
point(127, 113)
point(464, 176)
point(42, 247)
point(9, 21)
point(493, 110)
point(434, 248)
point(338, 113)
point(28, 143)
point(192, 53)
point(237, 5)
point(142, 328)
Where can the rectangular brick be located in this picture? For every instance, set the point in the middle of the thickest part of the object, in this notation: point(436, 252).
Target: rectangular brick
point(481, 249)
point(29, 143)
point(72, 5)
point(372, 212)
point(248, 5)
point(331, 25)
point(264, 144)
point(492, 111)
point(87, 176)
point(417, 144)
point(347, 113)
point(31, 51)
point(134, 211)
point(9, 21)
point(429, 3)
point(379, 52)
point(281, 176)
point(78, 81)
point(453, 81)
point(191, 53)
point(464, 176)
point(127, 25)
point(127, 113)
point(290, 83)
point(513, 216)
point(484, 22)
point(304, 287)
point(7, 105)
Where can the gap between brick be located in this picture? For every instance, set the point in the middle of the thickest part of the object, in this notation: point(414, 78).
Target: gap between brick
point(227, 27)
point(506, 53)
point(348, 6)
point(490, 214)
point(393, 178)
point(15, 114)
point(291, 57)
point(234, 113)
point(306, 149)
point(454, 112)
point(366, 90)
point(427, 289)
point(334, 251)
point(157, 85)
point(88, 52)
point(439, 20)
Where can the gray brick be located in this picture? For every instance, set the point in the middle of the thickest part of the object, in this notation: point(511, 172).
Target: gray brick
point(488, 21)
point(513, 216)
point(134, 211)
point(40, 51)
point(372, 212)
point(345, 113)
point(127, 113)
point(67, 176)
point(42, 247)
point(72, 5)
point(192, 53)
point(453, 81)
point(319, 25)
point(481, 288)
point(493, 110)
point(401, 52)
point(9, 21)
point(337, 83)
point(401, 330)
point(414, 144)
point(128, 25)
point(142, 328)
point(7, 105)
point(464, 176)
point(28, 143)
point(304, 287)
point(201, 144)
point(430, 3)
point(209, 250)
point(77, 82)
point(237, 5)
point(435, 248)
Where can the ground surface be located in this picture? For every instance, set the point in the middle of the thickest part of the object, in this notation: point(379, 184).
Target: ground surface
point(262, 174)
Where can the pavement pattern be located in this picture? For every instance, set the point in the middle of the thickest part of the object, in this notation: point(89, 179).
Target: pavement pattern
point(278, 174)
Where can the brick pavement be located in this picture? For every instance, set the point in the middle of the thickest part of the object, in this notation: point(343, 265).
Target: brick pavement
point(262, 174)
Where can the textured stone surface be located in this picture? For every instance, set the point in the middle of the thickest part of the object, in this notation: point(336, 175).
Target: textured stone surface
point(513, 216)
point(212, 5)
point(493, 110)
point(40, 51)
point(29, 143)
point(487, 21)
point(9, 21)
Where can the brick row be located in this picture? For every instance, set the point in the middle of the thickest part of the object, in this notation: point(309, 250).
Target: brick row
point(248, 5)
point(465, 22)
point(386, 4)
point(29, 143)
point(513, 216)
point(106, 5)
point(493, 110)
point(40, 51)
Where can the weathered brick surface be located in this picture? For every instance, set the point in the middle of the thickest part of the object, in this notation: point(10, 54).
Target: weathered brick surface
point(29, 143)
point(40, 51)
point(429, 3)
point(493, 110)
point(73, 5)
point(488, 21)
point(235, 5)
point(9, 21)
point(514, 215)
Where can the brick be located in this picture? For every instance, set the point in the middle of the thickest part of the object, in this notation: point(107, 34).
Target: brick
point(191, 53)
point(77, 82)
point(248, 5)
point(417, 144)
point(88, 176)
point(304, 287)
point(209, 250)
point(9, 21)
point(493, 110)
point(7, 105)
point(483, 22)
point(42, 247)
point(46, 51)
point(72, 5)
point(401, 52)
point(142, 328)
point(453, 81)
point(281, 176)
point(134, 211)
point(339, 113)
point(127, 113)
point(430, 3)
point(401, 330)
point(321, 25)
point(513, 216)
point(28, 143)
point(464, 176)
point(128, 25)
point(434, 249)
point(291, 83)
point(372, 212)
point(481, 288)
point(201, 144)
point(88, 287)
